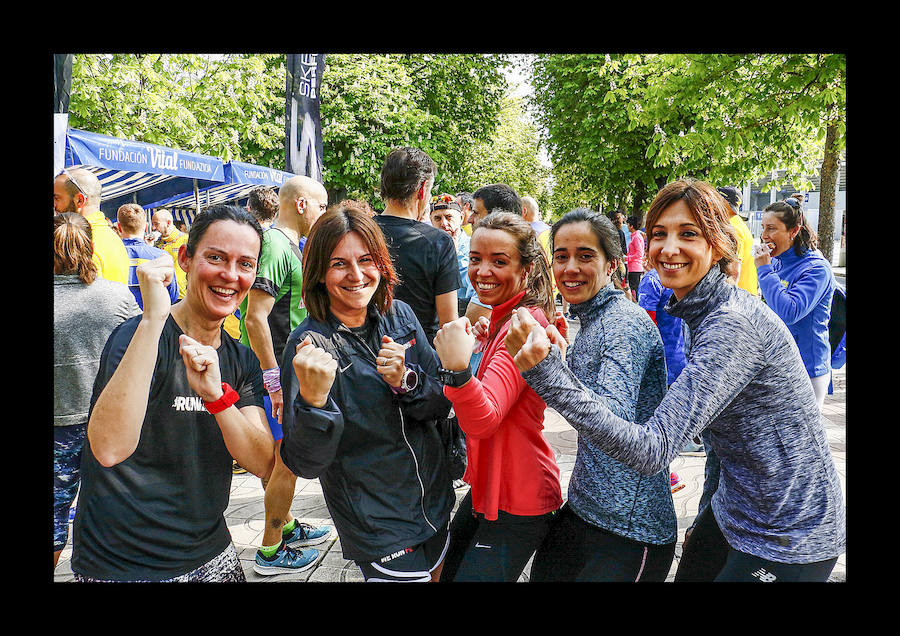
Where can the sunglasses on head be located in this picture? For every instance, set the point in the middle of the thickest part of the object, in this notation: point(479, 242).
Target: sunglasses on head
point(74, 182)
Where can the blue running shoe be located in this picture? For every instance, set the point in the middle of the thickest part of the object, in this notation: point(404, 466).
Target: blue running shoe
point(285, 560)
point(305, 534)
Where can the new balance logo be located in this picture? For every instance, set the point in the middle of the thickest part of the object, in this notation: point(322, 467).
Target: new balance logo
point(190, 403)
point(762, 575)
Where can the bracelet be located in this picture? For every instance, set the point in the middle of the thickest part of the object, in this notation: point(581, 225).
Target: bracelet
point(272, 379)
point(229, 397)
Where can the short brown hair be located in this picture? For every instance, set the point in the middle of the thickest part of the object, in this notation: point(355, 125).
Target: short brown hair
point(327, 232)
point(132, 218)
point(709, 209)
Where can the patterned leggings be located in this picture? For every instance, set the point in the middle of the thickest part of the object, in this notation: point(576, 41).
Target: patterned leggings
point(67, 444)
point(225, 568)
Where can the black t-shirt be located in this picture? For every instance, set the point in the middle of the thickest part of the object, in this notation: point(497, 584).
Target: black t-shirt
point(159, 513)
point(425, 259)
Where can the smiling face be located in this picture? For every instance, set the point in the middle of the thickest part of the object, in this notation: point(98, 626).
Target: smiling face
point(495, 268)
point(222, 268)
point(678, 250)
point(351, 280)
point(580, 265)
point(776, 234)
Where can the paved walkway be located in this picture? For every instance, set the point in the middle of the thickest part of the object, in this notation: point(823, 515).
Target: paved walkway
point(246, 514)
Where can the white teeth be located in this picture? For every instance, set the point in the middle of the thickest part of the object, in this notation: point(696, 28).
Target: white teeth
point(487, 285)
point(357, 288)
point(226, 292)
point(573, 284)
point(674, 265)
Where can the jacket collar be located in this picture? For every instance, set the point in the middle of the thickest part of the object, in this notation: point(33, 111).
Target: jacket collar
point(599, 300)
point(712, 290)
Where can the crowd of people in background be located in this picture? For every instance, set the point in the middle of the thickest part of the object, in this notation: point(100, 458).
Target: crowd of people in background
point(290, 336)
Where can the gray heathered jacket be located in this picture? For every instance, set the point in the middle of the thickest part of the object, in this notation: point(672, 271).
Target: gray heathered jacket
point(83, 317)
point(779, 496)
point(618, 355)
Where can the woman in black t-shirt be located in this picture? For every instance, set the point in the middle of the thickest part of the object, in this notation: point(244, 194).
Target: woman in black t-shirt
point(174, 401)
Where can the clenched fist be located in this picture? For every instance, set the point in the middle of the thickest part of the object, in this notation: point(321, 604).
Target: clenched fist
point(454, 344)
point(202, 365)
point(315, 369)
point(528, 343)
point(154, 277)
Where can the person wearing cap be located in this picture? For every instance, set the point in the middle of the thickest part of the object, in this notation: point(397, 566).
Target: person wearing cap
point(745, 267)
point(447, 215)
point(78, 190)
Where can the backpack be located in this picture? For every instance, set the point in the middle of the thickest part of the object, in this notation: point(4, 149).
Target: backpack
point(837, 327)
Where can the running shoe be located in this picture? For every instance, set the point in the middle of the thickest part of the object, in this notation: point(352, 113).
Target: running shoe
point(305, 534)
point(285, 560)
point(237, 469)
point(675, 482)
point(693, 449)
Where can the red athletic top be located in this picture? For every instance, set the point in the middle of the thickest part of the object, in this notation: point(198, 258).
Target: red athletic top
point(511, 467)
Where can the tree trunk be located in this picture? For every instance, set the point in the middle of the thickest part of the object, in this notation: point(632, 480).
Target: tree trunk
point(827, 193)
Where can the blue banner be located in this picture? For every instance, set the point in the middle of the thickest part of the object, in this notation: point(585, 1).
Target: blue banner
point(92, 149)
point(239, 172)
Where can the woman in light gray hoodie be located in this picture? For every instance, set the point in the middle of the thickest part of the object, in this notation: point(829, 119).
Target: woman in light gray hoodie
point(778, 513)
point(86, 308)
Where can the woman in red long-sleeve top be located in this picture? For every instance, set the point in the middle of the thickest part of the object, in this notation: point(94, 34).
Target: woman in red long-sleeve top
point(511, 469)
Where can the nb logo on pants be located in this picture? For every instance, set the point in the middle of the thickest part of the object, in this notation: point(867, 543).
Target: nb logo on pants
point(762, 575)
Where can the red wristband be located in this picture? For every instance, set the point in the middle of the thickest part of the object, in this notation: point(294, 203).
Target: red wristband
point(229, 397)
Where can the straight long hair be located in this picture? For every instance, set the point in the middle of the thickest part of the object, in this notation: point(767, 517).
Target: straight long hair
point(328, 231)
point(710, 211)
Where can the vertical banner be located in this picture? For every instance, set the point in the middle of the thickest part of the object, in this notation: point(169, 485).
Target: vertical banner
point(303, 134)
point(62, 88)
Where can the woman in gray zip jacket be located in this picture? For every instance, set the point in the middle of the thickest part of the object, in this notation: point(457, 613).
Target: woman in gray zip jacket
point(362, 401)
point(778, 513)
point(618, 524)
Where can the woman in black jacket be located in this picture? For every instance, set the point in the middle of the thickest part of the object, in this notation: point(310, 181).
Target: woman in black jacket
point(362, 401)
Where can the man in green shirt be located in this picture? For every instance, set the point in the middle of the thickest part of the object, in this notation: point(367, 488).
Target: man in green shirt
point(272, 309)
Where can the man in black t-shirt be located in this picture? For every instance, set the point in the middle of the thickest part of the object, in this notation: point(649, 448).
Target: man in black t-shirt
point(423, 255)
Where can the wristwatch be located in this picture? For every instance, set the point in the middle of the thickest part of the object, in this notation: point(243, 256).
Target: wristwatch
point(408, 383)
point(454, 378)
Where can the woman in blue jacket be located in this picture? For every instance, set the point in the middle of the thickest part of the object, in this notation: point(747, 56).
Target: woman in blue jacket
point(798, 285)
point(362, 401)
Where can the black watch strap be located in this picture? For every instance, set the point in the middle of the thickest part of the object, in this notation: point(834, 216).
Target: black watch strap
point(455, 378)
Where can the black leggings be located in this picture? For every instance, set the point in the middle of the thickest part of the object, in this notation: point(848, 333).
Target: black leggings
point(708, 557)
point(491, 551)
point(575, 550)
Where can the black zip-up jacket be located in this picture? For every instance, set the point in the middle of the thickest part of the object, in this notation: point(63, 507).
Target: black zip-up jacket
point(378, 455)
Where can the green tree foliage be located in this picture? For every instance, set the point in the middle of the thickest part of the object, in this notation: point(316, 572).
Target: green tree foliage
point(444, 104)
point(229, 106)
point(622, 126)
point(510, 156)
point(232, 107)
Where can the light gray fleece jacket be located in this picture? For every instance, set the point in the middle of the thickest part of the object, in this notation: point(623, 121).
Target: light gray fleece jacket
point(618, 355)
point(83, 317)
point(779, 496)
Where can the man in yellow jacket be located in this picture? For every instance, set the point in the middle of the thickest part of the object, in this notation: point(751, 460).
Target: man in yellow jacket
point(746, 275)
point(78, 190)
